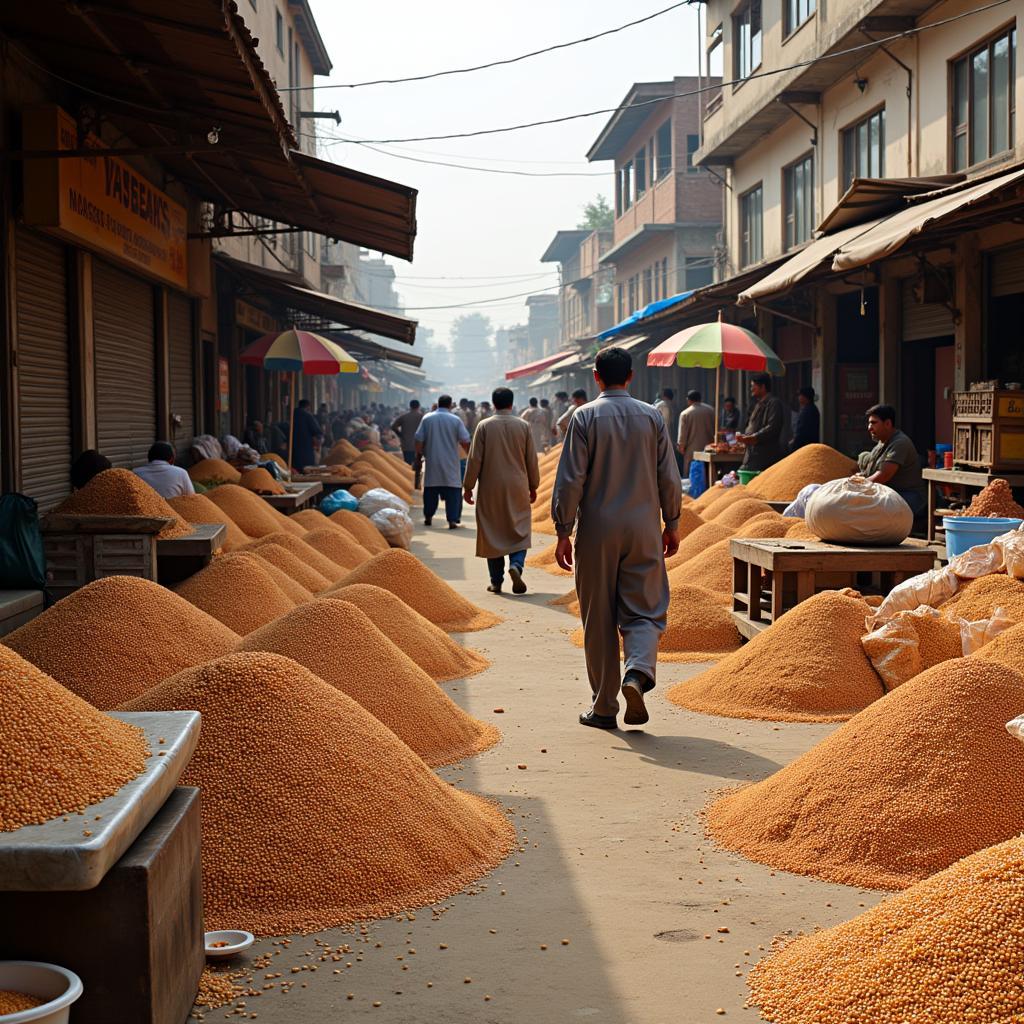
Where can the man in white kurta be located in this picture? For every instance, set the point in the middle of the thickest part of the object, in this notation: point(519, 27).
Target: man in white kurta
point(439, 438)
point(503, 468)
point(617, 481)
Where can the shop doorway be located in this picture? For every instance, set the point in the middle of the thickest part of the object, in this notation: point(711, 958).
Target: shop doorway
point(926, 392)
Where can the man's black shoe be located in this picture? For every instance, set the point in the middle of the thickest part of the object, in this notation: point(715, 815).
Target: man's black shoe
point(518, 586)
point(633, 694)
point(596, 721)
point(635, 676)
point(427, 521)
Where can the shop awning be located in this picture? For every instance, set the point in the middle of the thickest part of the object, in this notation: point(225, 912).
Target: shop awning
point(870, 198)
point(537, 366)
point(372, 350)
point(182, 81)
point(313, 309)
point(635, 319)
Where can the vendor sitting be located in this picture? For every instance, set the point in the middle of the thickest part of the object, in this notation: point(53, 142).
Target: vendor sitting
point(167, 479)
point(894, 460)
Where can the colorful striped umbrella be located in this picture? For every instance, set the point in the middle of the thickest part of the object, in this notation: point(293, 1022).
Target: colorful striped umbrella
point(298, 352)
point(714, 345)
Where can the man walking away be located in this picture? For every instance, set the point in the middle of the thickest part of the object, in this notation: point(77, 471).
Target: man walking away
point(438, 438)
point(807, 429)
point(764, 428)
point(549, 423)
point(503, 468)
point(617, 480)
point(405, 427)
point(537, 419)
point(579, 397)
point(666, 405)
point(167, 479)
point(560, 404)
point(696, 428)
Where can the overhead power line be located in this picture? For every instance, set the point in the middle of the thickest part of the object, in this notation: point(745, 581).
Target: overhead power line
point(873, 45)
point(493, 63)
point(476, 302)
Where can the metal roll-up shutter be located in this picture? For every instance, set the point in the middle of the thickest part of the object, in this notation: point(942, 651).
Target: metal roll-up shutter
point(44, 375)
point(923, 320)
point(125, 365)
point(182, 362)
point(1006, 272)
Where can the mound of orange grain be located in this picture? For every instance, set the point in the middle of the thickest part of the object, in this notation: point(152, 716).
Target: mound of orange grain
point(259, 481)
point(688, 522)
point(979, 598)
point(342, 452)
point(338, 545)
point(994, 500)
point(902, 791)
point(237, 590)
point(807, 667)
point(58, 754)
point(545, 559)
point(197, 509)
point(251, 513)
point(713, 501)
point(408, 578)
point(428, 645)
point(211, 472)
point(300, 561)
point(337, 641)
point(119, 492)
point(946, 951)
point(117, 636)
point(314, 814)
point(812, 464)
point(734, 514)
point(700, 540)
point(362, 529)
point(713, 567)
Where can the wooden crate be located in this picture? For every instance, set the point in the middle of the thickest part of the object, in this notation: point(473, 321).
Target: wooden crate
point(75, 559)
point(988, 429)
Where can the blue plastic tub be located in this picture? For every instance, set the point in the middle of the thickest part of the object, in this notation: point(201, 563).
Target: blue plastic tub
point(964, 532)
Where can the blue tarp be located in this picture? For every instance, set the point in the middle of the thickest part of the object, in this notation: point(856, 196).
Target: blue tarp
point(642, 314)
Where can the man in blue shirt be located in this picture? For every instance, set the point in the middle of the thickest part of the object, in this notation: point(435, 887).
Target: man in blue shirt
point(438, 438)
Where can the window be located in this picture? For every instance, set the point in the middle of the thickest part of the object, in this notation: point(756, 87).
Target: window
point(746, 39)
point(751, 226)
point(648, 294)
point(795, 13)
point(798, 194)
point(864, 149)
point(279, 32)
point(640, 163)
point(715, 67)
point(663, 145)
point(692, 145)
point(632, 294)
point(664, 278)
point(625, 187)
point(983, 101)
point(620, 303)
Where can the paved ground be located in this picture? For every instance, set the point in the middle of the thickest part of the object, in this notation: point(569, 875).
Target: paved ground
point(611, 911)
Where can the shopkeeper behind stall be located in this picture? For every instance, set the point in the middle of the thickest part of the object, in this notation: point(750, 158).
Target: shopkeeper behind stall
point(894, 460)
point(763, 432)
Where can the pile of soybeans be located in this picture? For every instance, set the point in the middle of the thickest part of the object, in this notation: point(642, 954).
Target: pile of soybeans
point(812, 464)
point(276, 741)
point(979, 598)
point(995, 500)
point(336, 641)
point(428, 645)
point(116, 637)
point(197, 509)
point(1006, 649)
point(259, 481)
point(362, 529)
point(946, 951)
point(251, 513)
point(211, 472)
point(923, 777)
point(119, 492)
point(807, 667)
point(58, 754)
point(290, 562)
point(408, 578)
point(337, 544)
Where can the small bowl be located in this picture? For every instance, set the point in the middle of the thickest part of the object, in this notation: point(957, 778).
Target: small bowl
point(57, 986)
point(237, 941)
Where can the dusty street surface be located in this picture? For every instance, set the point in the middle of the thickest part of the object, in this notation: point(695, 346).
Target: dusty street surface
point(616, 909)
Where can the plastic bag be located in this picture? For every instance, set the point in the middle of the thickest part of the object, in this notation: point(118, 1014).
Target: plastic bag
point(976, 634)
point(982, 560)
point(22, 560)
point(730, 479)
point(797, 508)
point(697, 479)
point(1016, 728)
point(377, 499)
point(856, 511)
point(395, 526)
point(929, 588)
point(1012, 547)
point(338, 500)
point(894, 651)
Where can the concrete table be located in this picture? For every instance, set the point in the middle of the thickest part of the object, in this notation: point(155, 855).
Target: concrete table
point(296, 497)
point(966, 482)
point(181, 557)
point(56, 856)
point(772, 576)
point(717, 464)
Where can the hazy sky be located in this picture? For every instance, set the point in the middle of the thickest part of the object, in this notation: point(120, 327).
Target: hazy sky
point(475, 225)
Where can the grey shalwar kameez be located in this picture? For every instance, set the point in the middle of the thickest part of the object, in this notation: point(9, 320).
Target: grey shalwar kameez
point(503, 462)
point(617, 480)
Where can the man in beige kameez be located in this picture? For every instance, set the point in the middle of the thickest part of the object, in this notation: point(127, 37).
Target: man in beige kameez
point(503, 467)
point(617, 481)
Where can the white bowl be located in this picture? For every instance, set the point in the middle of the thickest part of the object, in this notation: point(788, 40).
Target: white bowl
point(236, 942)
point(58, 985)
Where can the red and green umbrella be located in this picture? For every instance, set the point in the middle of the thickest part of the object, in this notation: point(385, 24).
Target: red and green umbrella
point(296, 352)
point(712, 346)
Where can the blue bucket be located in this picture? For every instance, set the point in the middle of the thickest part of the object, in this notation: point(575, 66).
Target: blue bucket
point(965, 532)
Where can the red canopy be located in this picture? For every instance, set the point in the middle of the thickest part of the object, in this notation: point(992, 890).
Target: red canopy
point(529, 369)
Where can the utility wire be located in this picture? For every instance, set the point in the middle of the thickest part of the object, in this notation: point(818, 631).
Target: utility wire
point(874, 44)
point(493, 63)
point(477, 302)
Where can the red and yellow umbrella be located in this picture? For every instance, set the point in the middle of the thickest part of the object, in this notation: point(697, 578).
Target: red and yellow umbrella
point(296, 352)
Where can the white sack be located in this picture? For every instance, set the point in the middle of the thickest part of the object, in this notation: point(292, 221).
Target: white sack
point(377, 499)
point(395, 526)
point(853, 510)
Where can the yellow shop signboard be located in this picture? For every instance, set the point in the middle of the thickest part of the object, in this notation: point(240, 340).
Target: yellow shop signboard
point(101, 202)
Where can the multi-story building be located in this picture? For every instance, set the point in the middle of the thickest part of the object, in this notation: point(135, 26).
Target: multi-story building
point(668, 210)
point(542, 326)
point(854, 120)
point(586, 288)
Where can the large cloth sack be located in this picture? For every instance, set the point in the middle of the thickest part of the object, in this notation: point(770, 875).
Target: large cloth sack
point(855, 511)
point(394, 525)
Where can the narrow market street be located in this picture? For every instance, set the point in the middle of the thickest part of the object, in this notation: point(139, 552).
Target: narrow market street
point(660, 927)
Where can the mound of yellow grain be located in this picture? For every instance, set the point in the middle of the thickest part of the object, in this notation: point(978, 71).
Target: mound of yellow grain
point(253, 515)
point(362, 529)
point(197, 509)
point(211, 472)
point(259, 481)
point(812, 464)
point(307, 555)
point(338, 545)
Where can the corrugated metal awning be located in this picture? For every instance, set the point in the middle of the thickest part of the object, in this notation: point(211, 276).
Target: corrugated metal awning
point(537, 366)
